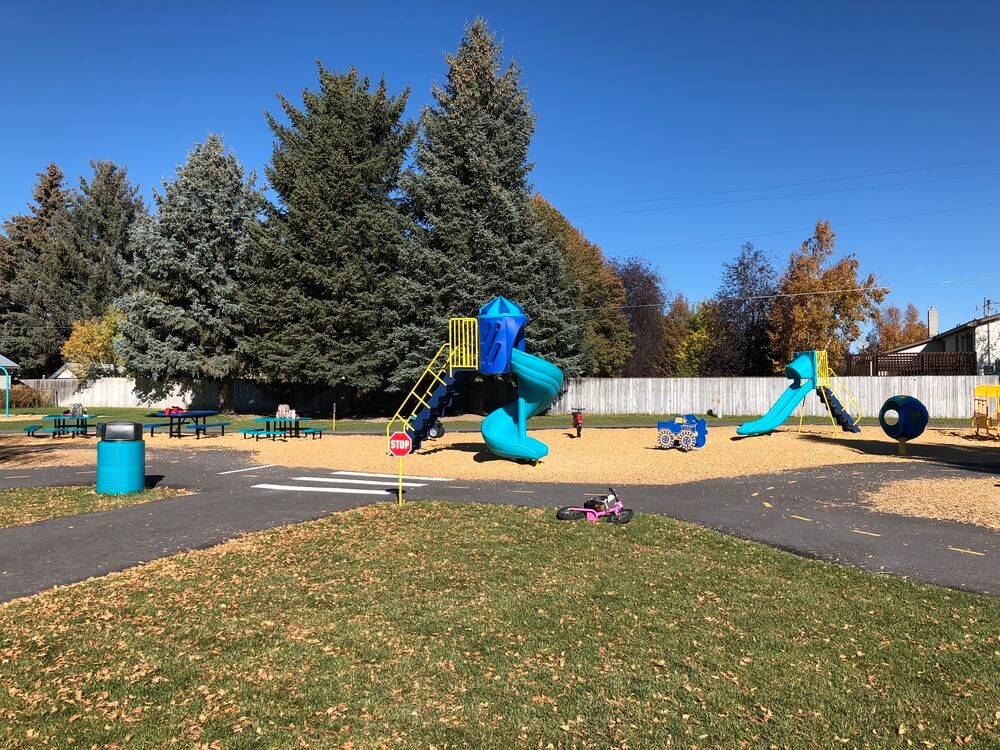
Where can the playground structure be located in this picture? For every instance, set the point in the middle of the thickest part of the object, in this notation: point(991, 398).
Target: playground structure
point(684, 433)
point(491, 344)
point(809, 371)
point(986, 410)
point(903, 418)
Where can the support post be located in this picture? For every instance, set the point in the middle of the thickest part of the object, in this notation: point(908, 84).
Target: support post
point(400, 489)
point(6, 392)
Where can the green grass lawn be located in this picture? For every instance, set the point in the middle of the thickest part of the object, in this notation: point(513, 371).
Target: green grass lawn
point(31, 504)
point(453, 626)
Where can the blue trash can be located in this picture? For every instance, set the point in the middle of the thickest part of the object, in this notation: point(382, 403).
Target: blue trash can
point(121, 458)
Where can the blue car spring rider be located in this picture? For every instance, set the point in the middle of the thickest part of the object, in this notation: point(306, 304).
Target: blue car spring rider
point(684, 433)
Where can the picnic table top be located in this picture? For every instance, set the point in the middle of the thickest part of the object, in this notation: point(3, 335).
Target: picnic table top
point(282, 419)
point(188, 413)
point(67, 416)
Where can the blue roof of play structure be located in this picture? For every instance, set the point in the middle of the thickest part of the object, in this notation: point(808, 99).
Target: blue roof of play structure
point(501, 306)
point(9, 364)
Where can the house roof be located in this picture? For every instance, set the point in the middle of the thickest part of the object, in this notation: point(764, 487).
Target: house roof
point(971, 324)
point(8, 363)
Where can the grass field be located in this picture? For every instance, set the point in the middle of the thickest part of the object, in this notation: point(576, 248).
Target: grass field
point(497, 627)
point(31, 504)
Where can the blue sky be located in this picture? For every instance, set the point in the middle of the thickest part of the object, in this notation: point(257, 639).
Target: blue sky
point(663, 128)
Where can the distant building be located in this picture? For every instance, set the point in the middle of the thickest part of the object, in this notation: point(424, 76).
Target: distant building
point(68, 371)
point(980, 335)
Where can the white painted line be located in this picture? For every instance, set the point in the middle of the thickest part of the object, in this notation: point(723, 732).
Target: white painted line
point(866, 533)
point(524, 492)
point(338, 480)
point(801, 518)
point(19, 476)
point(458, 487)
point(85, 472)
point(388, 476)
point(342, 490)
point(252, 468)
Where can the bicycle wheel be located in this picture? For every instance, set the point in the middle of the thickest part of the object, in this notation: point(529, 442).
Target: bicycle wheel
point(569, 514)
point(623, 517)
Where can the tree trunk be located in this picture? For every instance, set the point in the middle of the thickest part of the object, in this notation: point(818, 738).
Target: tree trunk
point(226, 395)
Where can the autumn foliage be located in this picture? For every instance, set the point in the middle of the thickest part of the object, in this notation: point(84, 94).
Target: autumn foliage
point(823, 302)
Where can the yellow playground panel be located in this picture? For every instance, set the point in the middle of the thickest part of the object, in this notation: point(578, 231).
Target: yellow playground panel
point(985, 408)
point(459, 352)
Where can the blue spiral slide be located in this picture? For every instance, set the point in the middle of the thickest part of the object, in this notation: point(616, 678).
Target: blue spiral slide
point(505, 430)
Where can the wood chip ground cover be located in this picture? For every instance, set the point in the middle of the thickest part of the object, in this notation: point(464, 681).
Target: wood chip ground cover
point(31, 504)
point(966, 500)
point(497, 627)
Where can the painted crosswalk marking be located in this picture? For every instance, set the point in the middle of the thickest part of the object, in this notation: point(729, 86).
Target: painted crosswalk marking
point(251, 468)
point(341, 490)
point(340, 480)
point(388, 476)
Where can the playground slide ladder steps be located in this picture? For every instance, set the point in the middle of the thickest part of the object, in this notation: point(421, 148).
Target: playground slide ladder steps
point(840, 402)
point(437, 385)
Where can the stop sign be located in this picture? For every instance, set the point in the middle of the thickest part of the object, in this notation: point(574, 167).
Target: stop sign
point(400, 444)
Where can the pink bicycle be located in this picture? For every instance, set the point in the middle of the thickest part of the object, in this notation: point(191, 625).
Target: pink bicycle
point(609, 507)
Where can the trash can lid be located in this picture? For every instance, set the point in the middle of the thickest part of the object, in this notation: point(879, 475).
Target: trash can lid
point(120, 431)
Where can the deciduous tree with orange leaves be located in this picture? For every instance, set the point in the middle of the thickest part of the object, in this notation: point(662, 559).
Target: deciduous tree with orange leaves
point(823, 304)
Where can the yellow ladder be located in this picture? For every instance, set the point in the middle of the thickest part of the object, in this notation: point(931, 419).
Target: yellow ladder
point(460, 352)
point(827, 378)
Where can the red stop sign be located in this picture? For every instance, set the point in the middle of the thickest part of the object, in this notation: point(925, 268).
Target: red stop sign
point(400, 444)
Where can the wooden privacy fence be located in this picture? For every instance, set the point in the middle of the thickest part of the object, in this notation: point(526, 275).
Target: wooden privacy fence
point(919, 363)
point(944, 396)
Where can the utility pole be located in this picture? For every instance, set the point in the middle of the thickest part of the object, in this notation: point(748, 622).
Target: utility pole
point(987, 305)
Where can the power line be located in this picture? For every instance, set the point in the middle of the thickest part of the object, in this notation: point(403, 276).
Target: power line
point(781, 197)
point(785, 185)
point(839, 224)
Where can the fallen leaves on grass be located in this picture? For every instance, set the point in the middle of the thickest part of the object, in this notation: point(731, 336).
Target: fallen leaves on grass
point(31, 504)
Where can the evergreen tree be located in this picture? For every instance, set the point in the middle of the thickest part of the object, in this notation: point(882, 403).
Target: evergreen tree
point(470, 196)
point(183, 322)
point(607, 342)
point(740, 343)
point(97, 228)
point(40, 279)
point(325, 286)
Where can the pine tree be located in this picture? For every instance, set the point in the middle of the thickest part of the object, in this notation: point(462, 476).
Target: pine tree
point(101, 214)
point(607, 342)
point(325, 265)
point(40, 279)
point(183, 322)
point(470, 196)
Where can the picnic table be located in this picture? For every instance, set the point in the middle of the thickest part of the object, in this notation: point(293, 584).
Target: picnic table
point(178, 419)
point(290, 426)
point(65, 424)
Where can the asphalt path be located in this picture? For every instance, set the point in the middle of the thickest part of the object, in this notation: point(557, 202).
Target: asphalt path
point(815, 513)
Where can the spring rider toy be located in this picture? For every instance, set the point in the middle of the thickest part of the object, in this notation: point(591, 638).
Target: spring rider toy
point(910, 419)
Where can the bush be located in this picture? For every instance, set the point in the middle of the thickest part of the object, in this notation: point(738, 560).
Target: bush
point(25, 397)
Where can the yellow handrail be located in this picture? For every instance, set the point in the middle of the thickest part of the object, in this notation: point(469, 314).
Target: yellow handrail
point(460, 352)
point(463, 338)
point(827, 378)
